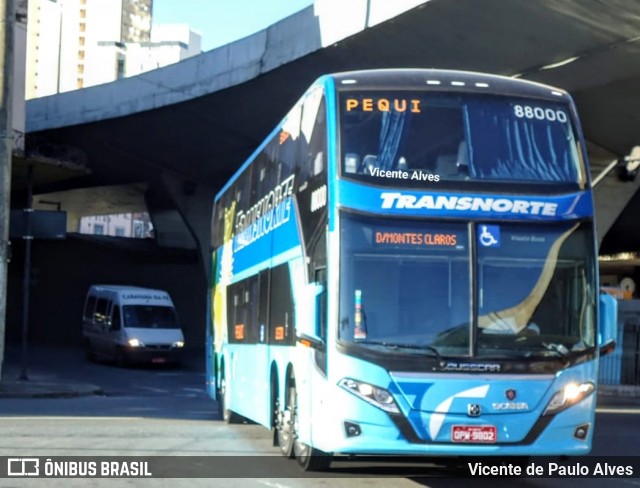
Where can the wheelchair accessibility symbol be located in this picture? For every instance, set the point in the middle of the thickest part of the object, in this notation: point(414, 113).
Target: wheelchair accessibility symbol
point(489, 236)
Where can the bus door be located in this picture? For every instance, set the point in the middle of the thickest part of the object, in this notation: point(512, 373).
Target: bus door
point(311, 373)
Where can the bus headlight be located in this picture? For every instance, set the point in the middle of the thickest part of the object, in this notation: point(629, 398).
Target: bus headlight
point(135, 342)
point(178, 344)
point(568, 396)
point(374, 395)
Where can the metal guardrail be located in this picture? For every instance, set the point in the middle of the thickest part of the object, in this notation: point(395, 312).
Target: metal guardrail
point(630, 363)
point(622, 367)
point(610, 365)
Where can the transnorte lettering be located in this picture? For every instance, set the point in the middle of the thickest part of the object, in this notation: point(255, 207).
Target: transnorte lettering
point(270, 212)
point(487, 204)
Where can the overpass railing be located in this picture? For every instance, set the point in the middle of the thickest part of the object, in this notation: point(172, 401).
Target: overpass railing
point(622, 367)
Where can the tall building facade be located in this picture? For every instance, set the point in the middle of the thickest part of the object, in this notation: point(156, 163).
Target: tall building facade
point(74, 44)
point(134, 225)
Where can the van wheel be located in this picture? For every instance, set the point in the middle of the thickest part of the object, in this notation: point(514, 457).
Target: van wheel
point(88, 351)
point(121, 359)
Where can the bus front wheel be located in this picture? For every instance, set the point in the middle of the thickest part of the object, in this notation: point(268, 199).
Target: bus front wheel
point(228, 416)
point(310, 458)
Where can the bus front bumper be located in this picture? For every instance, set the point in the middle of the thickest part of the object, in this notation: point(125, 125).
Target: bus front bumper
point(366, 429)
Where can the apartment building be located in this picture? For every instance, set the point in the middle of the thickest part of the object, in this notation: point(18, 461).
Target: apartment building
point(73, 44)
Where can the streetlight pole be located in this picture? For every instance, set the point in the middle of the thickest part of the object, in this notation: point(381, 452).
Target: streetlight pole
point(7, 20)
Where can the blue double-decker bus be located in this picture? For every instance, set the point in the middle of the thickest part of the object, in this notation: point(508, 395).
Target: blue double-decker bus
point(408, 265)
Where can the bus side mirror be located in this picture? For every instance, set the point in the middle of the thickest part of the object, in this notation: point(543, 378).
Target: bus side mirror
point(321, 310)
point(607, 323)
point(314, 302)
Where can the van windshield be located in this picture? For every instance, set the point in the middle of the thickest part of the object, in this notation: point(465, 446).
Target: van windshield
point(150, 317)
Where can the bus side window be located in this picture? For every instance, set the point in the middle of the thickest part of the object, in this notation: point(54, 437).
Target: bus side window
point(314, 131)
point(321, 303)
point(242, 311)
point(263, 306)
point(281, 310)
point(235, 315)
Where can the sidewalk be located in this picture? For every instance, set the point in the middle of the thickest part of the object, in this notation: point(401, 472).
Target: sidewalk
point(42, 385)
point(44, 379)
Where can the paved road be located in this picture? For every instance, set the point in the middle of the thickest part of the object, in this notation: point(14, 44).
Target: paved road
point(162, 412)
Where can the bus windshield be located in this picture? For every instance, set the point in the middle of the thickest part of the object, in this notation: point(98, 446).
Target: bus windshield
point(534, 294)
point(403, 282)
point(406, 286)
point(412, 138)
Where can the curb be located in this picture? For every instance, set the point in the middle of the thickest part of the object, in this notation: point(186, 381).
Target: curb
point(44, 391)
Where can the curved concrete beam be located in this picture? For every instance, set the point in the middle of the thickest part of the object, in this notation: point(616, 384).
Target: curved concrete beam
point(309, 30)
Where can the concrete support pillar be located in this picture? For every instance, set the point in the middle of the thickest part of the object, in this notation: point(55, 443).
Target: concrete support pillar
point(611, 197)
point(181, 214)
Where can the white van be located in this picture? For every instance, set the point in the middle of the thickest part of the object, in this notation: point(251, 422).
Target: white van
point(131, 324)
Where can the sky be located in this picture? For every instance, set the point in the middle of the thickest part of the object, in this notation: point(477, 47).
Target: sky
point(223, 21)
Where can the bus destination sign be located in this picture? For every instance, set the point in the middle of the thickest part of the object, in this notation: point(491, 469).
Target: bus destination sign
point(435, 239)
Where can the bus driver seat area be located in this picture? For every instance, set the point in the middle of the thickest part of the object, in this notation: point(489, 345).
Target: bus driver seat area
point(454, 166)
point(369, 163)
point(353, 164)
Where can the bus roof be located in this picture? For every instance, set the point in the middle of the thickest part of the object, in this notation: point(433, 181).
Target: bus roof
point(450, 80)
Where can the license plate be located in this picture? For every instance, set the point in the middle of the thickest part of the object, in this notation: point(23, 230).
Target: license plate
point(477, 434)
point(158, 360)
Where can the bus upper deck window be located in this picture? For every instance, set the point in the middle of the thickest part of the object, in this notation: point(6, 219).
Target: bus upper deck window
point(318, 164)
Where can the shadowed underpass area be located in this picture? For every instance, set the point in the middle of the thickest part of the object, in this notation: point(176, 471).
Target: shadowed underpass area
point(165, 141)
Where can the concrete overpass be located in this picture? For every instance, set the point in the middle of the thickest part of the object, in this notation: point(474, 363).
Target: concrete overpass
point(168, 139)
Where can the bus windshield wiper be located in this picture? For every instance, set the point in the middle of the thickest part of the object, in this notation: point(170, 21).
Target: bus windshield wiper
point(425, 348)
point(557, 349)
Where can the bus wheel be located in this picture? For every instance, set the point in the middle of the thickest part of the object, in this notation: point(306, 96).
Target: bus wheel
point(285, 425)
point(311, 459)
point(229, 416)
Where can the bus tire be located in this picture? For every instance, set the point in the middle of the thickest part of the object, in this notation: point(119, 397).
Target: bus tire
point(307, 457)
point(228, 416)
point(275, 407)
point(310, 458)
point(285, 425)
